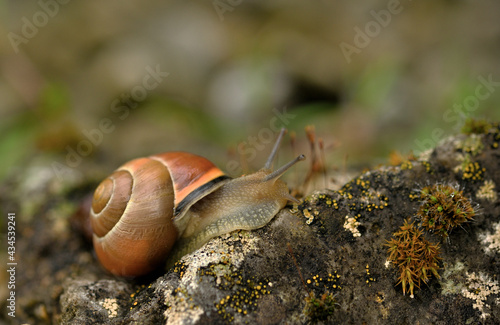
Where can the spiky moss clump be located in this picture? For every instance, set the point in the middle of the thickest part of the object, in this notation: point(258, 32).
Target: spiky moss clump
point(414, 256)
point(443, 208)
point(318, 309)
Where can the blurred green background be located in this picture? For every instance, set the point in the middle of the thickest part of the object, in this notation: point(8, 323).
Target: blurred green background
point(371, 77)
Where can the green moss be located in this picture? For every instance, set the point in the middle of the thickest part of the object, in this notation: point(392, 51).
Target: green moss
point(474, 126)
point(319, 308)
point(443, 208)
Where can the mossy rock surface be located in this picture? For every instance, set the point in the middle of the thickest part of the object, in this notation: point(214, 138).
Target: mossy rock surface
point(337, 239)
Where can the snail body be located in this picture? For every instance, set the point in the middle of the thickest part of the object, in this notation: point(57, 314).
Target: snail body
point(149, 204)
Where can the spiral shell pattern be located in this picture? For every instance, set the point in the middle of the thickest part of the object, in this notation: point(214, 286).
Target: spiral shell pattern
point(133, 209)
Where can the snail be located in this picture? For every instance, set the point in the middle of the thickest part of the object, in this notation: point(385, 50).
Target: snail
point(149, 204)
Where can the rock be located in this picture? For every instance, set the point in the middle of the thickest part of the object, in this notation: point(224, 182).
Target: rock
point(324, 260)
point(92, 302)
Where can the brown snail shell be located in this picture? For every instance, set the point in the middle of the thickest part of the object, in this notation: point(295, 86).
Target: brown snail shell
point(148, 204)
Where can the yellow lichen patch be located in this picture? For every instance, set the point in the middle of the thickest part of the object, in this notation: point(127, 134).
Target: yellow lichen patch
point(308, 215)
point(111, 306)
point(369, 277)
point(244, 293)
point(180, 268)
point(380, 297)
point(181, 296)
point(217, 261)
point(242, 300)
point(311, 209)
point(332, 203)
point(428, 167)
point(134, 294)
point(487, 191)
point(329, 281)
point(473, 171)
point(414, 196)
point(363, 183)
point(362, 200)
point(406, 165)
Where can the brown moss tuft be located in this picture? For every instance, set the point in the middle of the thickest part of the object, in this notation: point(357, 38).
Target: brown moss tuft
point(415, 257)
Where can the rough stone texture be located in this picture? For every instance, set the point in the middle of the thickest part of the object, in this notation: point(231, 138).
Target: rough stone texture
point(336, 238)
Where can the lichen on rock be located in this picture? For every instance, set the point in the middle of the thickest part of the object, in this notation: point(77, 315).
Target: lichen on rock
point(251, 277)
